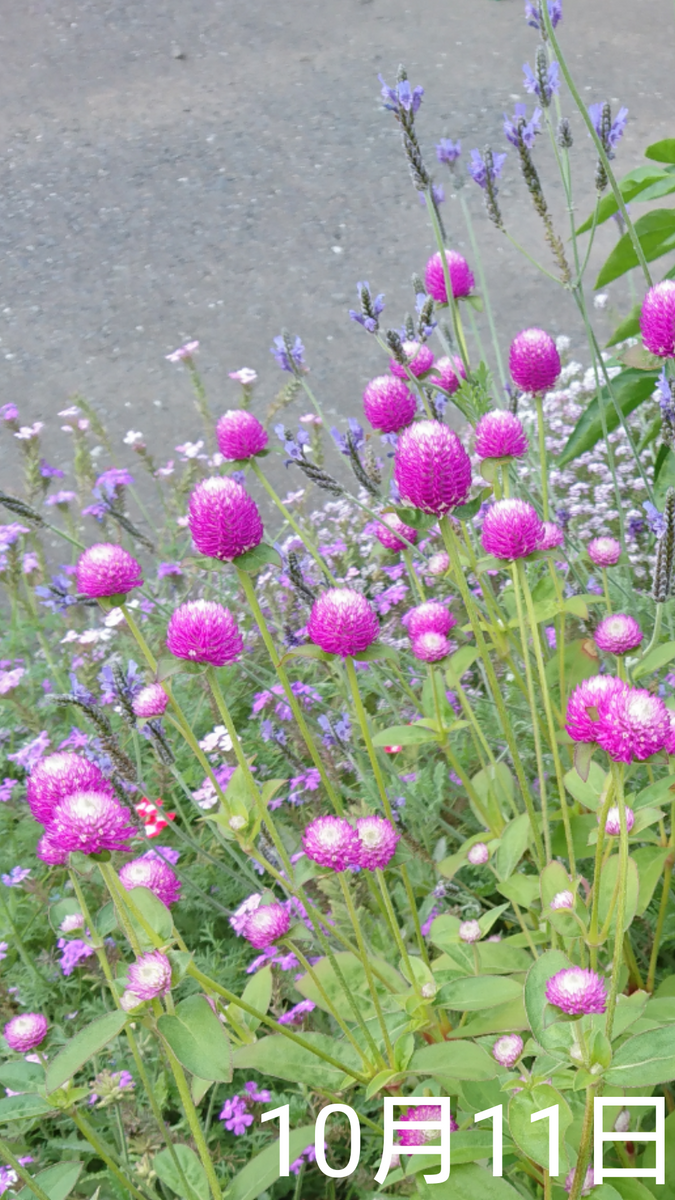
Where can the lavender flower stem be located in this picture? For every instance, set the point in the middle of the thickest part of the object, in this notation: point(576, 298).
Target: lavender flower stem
point(321, 562)
point(475, 250)
point(618, 772)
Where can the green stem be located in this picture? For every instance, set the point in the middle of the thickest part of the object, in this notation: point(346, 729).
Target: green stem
point(194, 1122)
point(327, 1000)
point(365, 962)
point(452, 302)
point(477, 257)
point(22, 1174)
point(585, 1144)
point(321, 562)
point(543, 791)
point(658, 619)
point(663, 909)
point(618, 771)
point(16, 938)
point(543, 464)
point(89, 1133)
point(594, 922)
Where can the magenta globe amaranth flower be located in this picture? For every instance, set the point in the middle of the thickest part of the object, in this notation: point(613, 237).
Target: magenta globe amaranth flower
point(432, 468)
point(451, 372)
point(657, 319)
point(25, 1032)
point(331, 842)
point(470, 931)
point(588, 1184)
point(429, 617)
point(613, 823)
point(562, 900)
point(377, 840)
point(461, 276)
point(57, 776)
point(438, 563)
point(576, 990)
point(500, 434)
point(508, 1049)
point(430, 647)
point(388, 404)
point(552, 536)
point(224, 520)
point(534, 361)
point(151, 701)
point(419, 1114)
point(618, 634)
point(420, 360)
point(90, 821)
point(240, 435)
point(107, 570)
point(202, 631)
point(49, 852)
point(153, 874)
point(342, 622)
point(267, 924)
point(390, 537)
point(478, 854)
point(633, 724)
point(512, 529)
point(150, 975)
point(604, 551)
point(584, 705)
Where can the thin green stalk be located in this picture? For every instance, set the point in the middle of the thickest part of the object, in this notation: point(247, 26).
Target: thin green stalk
point(586, 1142)
point(618, 771)
point(543, 463)
point(663, 909)
point(452, 302)
point(478, 260)
point(658, 619)
point(543, 790)
point(91, 1136)
point(304, 962)
point(22, 1174)
point(365, 962)
point(321, 562)
point(194, 1122)
point(21, 949)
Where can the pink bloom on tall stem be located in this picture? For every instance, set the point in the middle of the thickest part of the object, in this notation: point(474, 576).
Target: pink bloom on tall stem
point(604, 551)
point(633, 724)
point(534, 361)
point(552, 536)
point(420, 360)
point(25, 1032)
point(90, 821)
point(575, 991)
point(429, 617)
point(153, 874)
point(461, 276)
point(657, 319)
point(394, 525)
point(451, 372)
point(432, 468)
point(267, 924)
point(107, 570)
point(50, 853)
point(224, 520)
point(500, 434)
point(613, 823)
point(57, 776)
point(430, 647)
point(203, 631)
point(342, 622)
point(331, 842)
point(240, 435)
point(388, 404)
point(151, 701)
point(377, 842)
point(618, 634)
point(508, 1049)
point(512, 529)
point(150, 975)
point(584, 705)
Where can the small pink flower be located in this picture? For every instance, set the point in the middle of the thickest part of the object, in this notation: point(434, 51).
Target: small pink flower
point(470, 931)
point(50, 853)
point(432, 468)
point(588, 1184)
point(478, 854)
point(618, 634)
point(331, 842)
point(633, 724)
point(430, 647)
point(534, 361)
point(107, 570)
point(203, 631)
point(657, 319)
point(267, 924)
point(25, 1032)
point(245, 376)
point(183, 352)
point(604, 551)
point(451, 372)
point(438, 563)
point(151, 701)
point(420, 360)
point(429, 617)
point(153, 874)
point(584, 705)
point(342, 622)
point(90, 821)
point(511, 529)
point(57, 776)
point(150, 975)
point(419, 1114)
point(552, 536)
point(576, 991)
point(613, 824)
point(240, 435)
point(394, 526)
point(461, 276)
point(224, 520)
point(500, 434)
point(563, 899)
point(508, 1049)
point(377, 842)
point(388, 404)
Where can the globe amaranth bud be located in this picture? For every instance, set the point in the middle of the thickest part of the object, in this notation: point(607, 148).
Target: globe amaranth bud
point(420, 360)
point(657, 319)
point(224, 520)
point(451, 372)
point(432, 468)
point(508, 1049)
point(267, 924)
point(25, 1032)
point(613, 822)
point(48, 852)
point(562, 900)
point(57, 776)
point(377, 840)
point(342, 622)
point(512, 529)
point(534, 361)
point(431, 647)
point(500, 434)
point(203, 631)
point(151, 701)
point(618, 634)
point(461, 276)
point(153, 874)
point(604, 551)
point(150, 975)
point(429, 617)
point(470, 931)
point(240, 435)
point(438, 563)
point(331, 842)
point(390, 536)
point(107, 570)
point(552, 536)
point(478, 854)
point(388, 404)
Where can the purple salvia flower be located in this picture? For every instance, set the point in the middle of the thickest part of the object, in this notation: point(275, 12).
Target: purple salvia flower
point(516, 128)
point(401, 97)
point(289, 357)
point(371, 307)
point(478, 169)
point(542, 84)
point(610, 132)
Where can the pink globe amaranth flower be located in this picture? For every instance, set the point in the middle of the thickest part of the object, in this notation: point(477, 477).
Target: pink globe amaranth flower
point(552, 536)
point(633, 724)
point(512, 529)
point(461, 276)
point(150, 975)
point(202, 631)
point(478, 854)
point(377, 842)
point(420, 360)
point(57, 776)
point(394, 526)
point(588, 1184)
point(432, 468)
point(430, 647)
point(500, 434)
point(429, 617)
point(438, 563)
point(342, 622)
point(224, 520)
point(90, 821)
point(153, 874)
point(576, 991)
point(50, 853)
point(508, 1049)
point(129, 1001)
point(267, 924)
point(534, 361)
point(669, 745)
point(240, 435)
point(470, 931)
point(388, 404)
point(657, 319)
point(419, 1114)
point(562, 900)
point(151, 701)
point(582, 725)
point(451, 372)
point(604, 551)
point(331, 842)
point(25, 1032)
point(617, 634)
point(613, 823)
point(107, 570)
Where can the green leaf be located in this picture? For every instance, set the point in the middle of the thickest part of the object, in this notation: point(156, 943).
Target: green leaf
point(631, 388)
point(257, 993)
point(472, 1182)
point(467, 512)
point(663, 151)
point(195, 1175)
point(478, 992)
point(660, 792)
point(581, 662)
point(415, 518)
point(523, 890)
point(581, 827)
point(308, 652)
point(631, 185)
point(656, 234)
point(587, 791)
point(254, 560)
point(404, 735)
point(459, 1060)
point(514, 841)
point(459, 663)
point(645, 1060)
point(23, 1108)
point(154, 913)
point(628, 328)
point(356, 981)
point(503, 1018)
point(377, 651)
point(57, 1181)
point(650, 861)
point(532, 1137)
point(284, 1059)
point(607, 900)
point(494, 785)
point(543, 1019)
point(262, 1171)
point(21, 1076)
point(198, 1039)
point(88, 1042)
